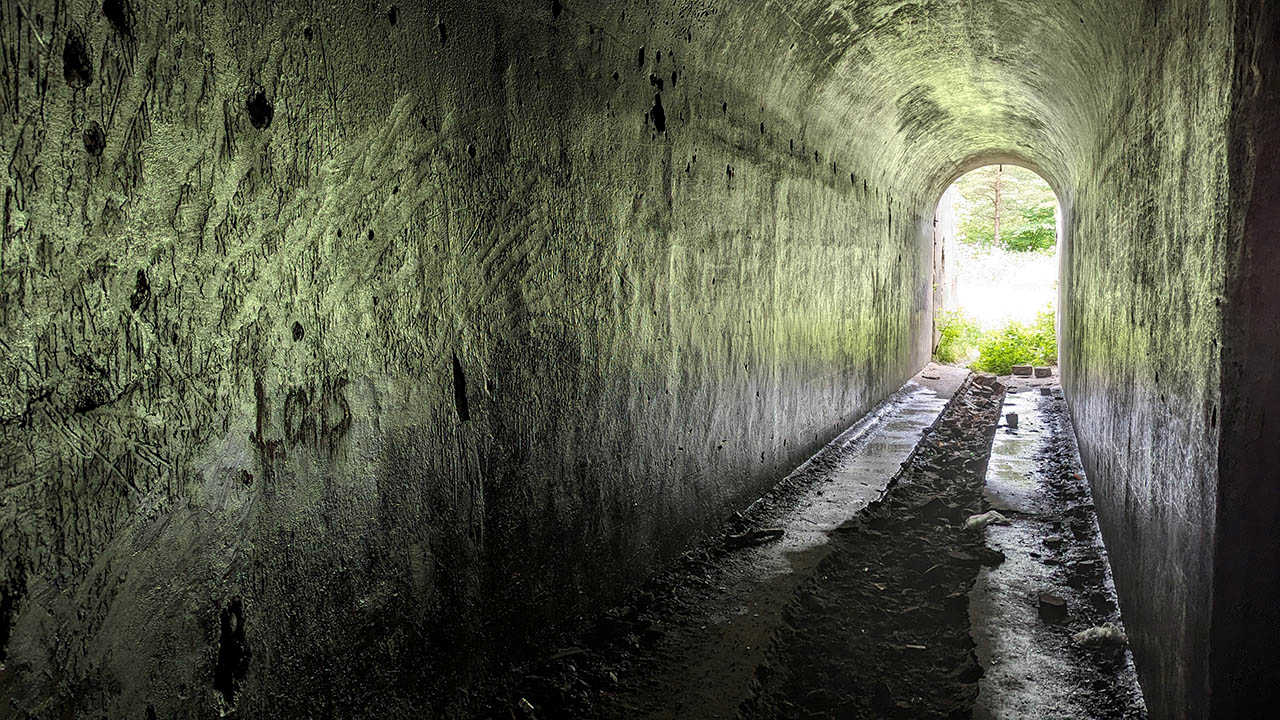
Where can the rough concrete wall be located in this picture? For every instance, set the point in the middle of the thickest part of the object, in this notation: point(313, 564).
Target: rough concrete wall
point(1246, 616)
point(1144, 277)
point(943, 279)
point(341, 344)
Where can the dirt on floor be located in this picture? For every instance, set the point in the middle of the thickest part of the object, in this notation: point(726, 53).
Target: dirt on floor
point(882, 629)
point(1059, 661)
point(880, 618)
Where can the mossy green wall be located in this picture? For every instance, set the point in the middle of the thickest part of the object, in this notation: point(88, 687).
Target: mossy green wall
point(1142, 296)
point(238, 340)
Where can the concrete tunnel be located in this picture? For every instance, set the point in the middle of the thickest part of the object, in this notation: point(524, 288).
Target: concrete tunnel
point(369, 338)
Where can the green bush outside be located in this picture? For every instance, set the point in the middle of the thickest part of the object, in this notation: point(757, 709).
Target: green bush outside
point(1018, 344)
point(1038, 231)
point(958, 336)
point(998, 350)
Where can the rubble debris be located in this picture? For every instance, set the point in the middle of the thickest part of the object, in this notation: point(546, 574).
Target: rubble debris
point(1021, 370)
point(1105, 635)
point(1053, 609)
point(980, 522)
point(890, 606)
point(753, 537)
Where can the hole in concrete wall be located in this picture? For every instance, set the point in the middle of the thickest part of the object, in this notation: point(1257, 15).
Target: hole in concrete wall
point(995, 270)
point(658, 115)
point(393, 14)
point(298, 331)
point(460, 391)
point(119, 14)
point(556, 9)
point(77, 68)
point(95, 140)
point(259, 108)
point(141, 290)
point(640, 57)
point(233, 652)
point(442, 32)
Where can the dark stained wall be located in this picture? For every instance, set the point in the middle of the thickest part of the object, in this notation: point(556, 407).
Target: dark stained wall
point(1169, 356)
point(343, 346)
point(1246, 618)
point(1143, 286)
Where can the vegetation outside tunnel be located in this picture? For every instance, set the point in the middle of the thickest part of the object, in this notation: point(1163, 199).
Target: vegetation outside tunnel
point(1006, 207)
point(997, 351)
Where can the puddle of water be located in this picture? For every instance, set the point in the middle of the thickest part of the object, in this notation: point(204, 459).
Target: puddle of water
point(1031, 670)
point(1011, 484)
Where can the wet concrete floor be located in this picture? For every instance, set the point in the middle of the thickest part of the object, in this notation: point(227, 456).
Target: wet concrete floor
point(706, 663)
point(702, 640)
point(1033, 668)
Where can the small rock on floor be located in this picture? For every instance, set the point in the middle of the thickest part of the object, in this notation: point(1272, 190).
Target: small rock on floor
point(1053, 609)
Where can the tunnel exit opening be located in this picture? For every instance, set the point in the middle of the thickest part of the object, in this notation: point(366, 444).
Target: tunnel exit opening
point(995, 280)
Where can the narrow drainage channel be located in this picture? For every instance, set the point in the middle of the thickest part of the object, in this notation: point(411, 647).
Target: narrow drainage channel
point(881, 629)
point(687, 645)
point(728, 601)
point(1028, 613)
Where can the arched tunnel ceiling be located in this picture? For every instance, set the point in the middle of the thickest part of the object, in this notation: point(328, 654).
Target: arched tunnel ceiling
point(960, 83)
